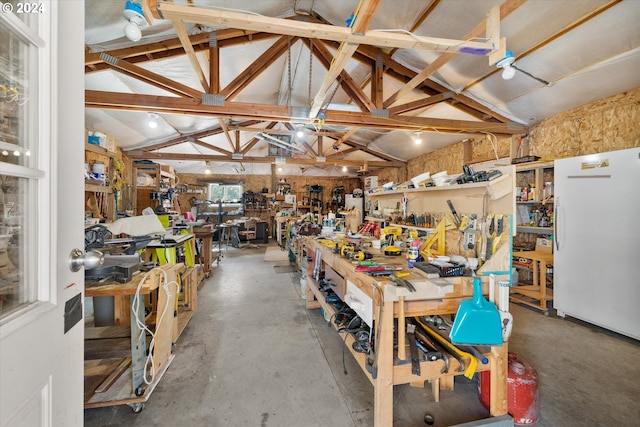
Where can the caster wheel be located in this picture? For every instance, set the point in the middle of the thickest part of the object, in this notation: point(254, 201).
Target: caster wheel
point(140, 391)
point(428, 419)
point(137, 407)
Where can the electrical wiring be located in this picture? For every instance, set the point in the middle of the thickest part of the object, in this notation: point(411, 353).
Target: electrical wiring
point(149, 365)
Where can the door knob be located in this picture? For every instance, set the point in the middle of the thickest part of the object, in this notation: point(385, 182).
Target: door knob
point(91, 259)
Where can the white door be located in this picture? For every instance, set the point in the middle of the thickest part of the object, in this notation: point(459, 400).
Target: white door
point(41, 212)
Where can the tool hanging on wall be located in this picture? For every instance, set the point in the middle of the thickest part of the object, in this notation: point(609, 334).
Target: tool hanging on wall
point(435, 244)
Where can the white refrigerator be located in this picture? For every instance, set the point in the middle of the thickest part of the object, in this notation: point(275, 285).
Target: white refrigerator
point(597, 239)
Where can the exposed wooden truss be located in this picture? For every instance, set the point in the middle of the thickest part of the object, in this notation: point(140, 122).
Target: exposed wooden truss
point(350, 43)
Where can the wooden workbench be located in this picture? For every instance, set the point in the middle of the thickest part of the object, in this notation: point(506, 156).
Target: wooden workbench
point(537, 292)
point(429, 299)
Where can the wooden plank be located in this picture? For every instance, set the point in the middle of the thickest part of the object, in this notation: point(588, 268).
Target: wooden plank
point(103, 332)
point(505, 9)
point(214, 65)
point(250, 73)
point(191, 54)
point(165, 321)
point(107, 348)
point(152, 78)
point(307, 29)
point(421, 103)
point(115, 374)
point(167, 104)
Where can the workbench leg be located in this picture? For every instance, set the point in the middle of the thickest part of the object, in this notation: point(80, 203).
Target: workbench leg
point(498, 388)
point(383, 384)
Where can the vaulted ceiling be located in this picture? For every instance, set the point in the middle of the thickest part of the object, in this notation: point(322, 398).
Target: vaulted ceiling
point(233, 86)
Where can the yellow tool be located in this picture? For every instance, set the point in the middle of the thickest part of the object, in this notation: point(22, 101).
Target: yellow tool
point(360, 256)
point(438, 238)
point(473, 362)
point(392, 232)
point(347, 250)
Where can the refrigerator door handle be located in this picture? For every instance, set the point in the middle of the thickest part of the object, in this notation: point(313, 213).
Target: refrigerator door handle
point(555, 223)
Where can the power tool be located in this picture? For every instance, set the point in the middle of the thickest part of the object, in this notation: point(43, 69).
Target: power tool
point(392, 233)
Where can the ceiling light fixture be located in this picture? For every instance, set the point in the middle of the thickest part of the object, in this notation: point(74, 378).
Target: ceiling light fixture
point(344, 169)
point(133, 13)
point(207, 168)
point(509, 68)
point(506, 63)
point(418, 138)
point(153, 117)
point(299, 131)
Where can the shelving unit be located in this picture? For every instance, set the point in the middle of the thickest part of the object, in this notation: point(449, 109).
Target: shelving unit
point(152, 184)
point(98, 196)
point(534, 174)
point(535, 283)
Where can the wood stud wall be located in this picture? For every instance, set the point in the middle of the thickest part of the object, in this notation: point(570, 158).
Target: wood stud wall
point(606, 125)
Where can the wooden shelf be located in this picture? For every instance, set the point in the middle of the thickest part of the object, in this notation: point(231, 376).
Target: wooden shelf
point(98, 188)
point(99, 150)
point(495, 187)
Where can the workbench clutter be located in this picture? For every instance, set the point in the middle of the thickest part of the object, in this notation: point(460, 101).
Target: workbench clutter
point(418, 277)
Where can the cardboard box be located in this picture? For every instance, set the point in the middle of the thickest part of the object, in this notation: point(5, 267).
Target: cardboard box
point(544, 245)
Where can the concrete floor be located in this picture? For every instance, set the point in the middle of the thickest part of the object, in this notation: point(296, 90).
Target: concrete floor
point(252, 355)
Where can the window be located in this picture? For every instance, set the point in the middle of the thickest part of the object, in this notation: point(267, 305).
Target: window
point(225, 193)
point(23, 158)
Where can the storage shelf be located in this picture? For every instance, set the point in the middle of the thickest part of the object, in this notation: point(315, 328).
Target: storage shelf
point(99, 150)
point(535, 230)
point(471, 185)
point(98, 188)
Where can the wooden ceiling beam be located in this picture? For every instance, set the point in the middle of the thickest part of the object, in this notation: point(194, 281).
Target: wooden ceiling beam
point(505, 9)
point(223, 125)
point(362, 147)
point(151, 78)
point(93, 58)
point(193, 136)
point(166, 104)
point(347, 83)
point(154, 54)
point(341, 153)
point(214, 64)
point(191, 54)
point(404, 74)
point(421, 103)
point(214, 17)
point(363, 17)
point(138, 155)
point(253, 141)
point(210, 147)
point(306, 146)
point(256, 68)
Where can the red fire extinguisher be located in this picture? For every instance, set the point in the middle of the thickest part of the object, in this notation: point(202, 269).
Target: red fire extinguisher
point(522, 391)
